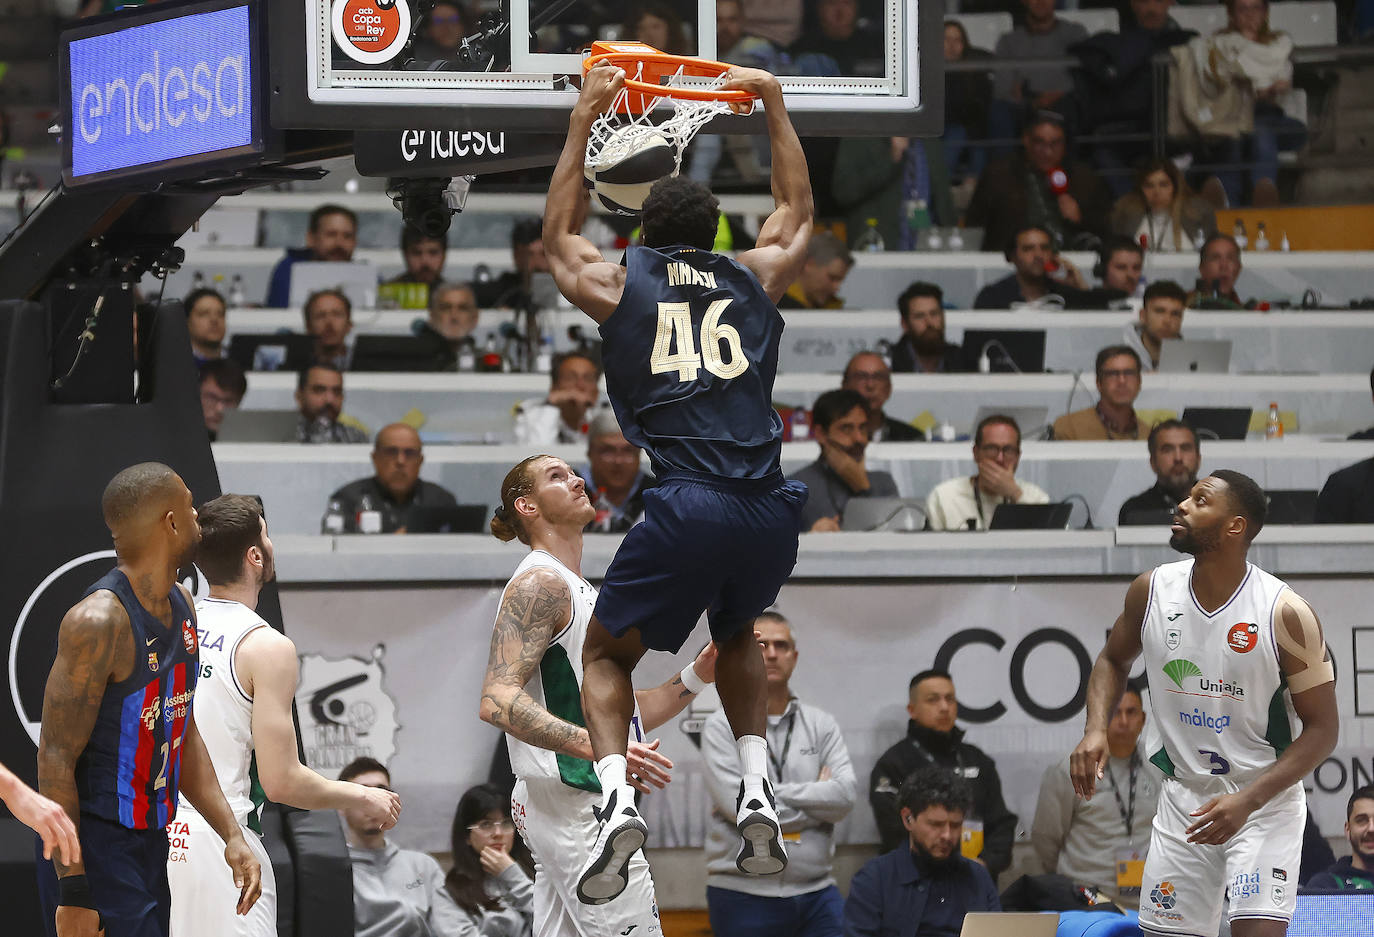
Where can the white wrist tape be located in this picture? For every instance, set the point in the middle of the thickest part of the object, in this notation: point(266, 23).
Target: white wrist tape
point(690, 680)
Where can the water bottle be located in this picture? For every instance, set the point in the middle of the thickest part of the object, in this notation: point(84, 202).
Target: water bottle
point(1238, 232)
point(933, 240)
point(491, 362)
point(369, 518)
point(333, 520)
point(871, 239)
point(1273, 427)
point(602, 521)
point(1283, 243)
point(198, 281)
point(467, 354)
point(543, 362)
point(956, 239)
point(1261, 238)
point(236, 295)
point(800, 422)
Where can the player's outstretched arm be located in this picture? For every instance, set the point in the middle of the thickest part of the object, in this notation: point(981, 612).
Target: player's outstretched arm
point(45, 817)
point(1105, 686)
point(201, 787)
point(663, 702)
point(1311, 679)
point(780, 249)
point(582, 274)
point(266, 665)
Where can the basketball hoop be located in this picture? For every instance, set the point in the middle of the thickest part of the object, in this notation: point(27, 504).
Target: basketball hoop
point(651, 77)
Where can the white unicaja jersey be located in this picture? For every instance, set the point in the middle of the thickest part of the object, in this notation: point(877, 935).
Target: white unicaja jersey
point(1221, 711)
point(223, 710)
point(557, 686)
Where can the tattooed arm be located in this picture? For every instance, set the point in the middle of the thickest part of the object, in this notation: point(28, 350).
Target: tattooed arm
point(666, 700)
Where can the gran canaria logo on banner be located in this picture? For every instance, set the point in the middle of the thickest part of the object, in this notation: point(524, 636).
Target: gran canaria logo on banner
point(345, 711)
point(370, 31)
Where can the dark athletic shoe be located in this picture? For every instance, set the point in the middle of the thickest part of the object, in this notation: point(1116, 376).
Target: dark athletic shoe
point(762, 852)
point(622, 833)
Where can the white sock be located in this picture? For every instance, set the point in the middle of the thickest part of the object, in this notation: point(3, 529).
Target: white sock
point(610, 771)
point(753, 756)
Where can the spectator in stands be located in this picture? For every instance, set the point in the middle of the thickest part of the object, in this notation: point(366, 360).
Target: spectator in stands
point(1030, 251)
point(563, 416)
point(815, 788)
point(1366, 433)
point(424, 255)
point(878, 177)
point(1248, 53)
point(839, 421)
point(1040, 35)
point(1161, 212)
point(205, 323)
point(1175, 454)
point(967, 98)
point(1113, 416)
point(933, 739)
point(329, 321)
point(658, 25)
point(511, 290)
point(828, 262)
point(965, 503)
point(395, 891)
point(1355, 872)
point(395, 489)
point(1348, 495)
point(615, 480)
point(1217, 271)
point(1038, 185)
point(922, 347)
point(332, 235)
point(441, 34)
point(868, 374)
point(778, 21)
point(452, 319)
point(222, 386)
point(491, 881)
point(1102, 841)
point(1120, 262)
point(924, 885)
point(836, 34)
point(1160, 318)
point(319, 397)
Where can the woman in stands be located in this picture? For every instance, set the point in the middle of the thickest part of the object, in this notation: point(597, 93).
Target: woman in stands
point(656, 24)
point(491, 879)
point(1161, 212)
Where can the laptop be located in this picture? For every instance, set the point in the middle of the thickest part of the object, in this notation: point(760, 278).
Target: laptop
point(886, 514)
point(1032, 421)
point(1186, 356)
point(1010, 924)
point(1031, 516)
point(1147, 517)
point(393, 353)
point(281, 351)
point(1218, 422)
point(357, 281)
point(1291, 506)
point(448, 519)
point(1009, 350)
point(258, 426)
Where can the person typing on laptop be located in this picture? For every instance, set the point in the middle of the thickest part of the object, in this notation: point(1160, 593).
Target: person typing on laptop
point(1161, 317)
point(332, 235)
point(839, 420)
point(395, 490)
point(965, 503)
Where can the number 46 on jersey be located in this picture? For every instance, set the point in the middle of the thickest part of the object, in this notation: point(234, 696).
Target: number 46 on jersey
point(675, 331)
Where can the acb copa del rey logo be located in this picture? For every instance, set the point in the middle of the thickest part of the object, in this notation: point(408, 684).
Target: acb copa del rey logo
point(370, 31)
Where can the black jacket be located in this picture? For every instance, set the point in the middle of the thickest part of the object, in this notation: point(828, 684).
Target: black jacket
point(1348, 496)
point(1147, 508)
point(904, 358)
point(1343, 876)
point(921, 747)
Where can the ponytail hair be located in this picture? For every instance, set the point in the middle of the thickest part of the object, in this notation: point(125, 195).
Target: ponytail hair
point(506, 524)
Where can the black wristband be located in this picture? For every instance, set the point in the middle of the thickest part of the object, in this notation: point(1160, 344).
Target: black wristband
point(75, 892)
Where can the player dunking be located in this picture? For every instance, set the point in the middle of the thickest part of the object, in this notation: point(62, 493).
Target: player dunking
point(690, 346)
point(119, 740)
point(532, 693)
point(1231, 655)
point(248, 677)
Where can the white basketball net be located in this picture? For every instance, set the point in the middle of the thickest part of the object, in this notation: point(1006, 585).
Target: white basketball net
point(615, 135)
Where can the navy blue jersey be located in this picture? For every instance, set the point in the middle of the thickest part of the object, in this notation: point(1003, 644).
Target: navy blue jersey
point(131, 767)
point(690, 357)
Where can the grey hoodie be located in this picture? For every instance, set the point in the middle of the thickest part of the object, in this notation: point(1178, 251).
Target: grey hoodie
point(400, 893)
point(808, 808)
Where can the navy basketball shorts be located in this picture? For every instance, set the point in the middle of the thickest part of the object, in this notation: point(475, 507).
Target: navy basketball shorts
point(716, 545)
point(127, 873)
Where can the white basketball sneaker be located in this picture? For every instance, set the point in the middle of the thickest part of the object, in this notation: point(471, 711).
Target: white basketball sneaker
point(622, 833)
point(762, 852)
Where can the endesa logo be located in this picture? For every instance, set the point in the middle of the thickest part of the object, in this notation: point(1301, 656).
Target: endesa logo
point(163, 90)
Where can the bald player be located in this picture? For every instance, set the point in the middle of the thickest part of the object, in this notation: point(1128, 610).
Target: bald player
point(119, 741)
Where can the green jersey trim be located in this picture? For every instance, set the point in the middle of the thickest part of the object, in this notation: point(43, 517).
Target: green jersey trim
point(1163, 762)
point(563, 699)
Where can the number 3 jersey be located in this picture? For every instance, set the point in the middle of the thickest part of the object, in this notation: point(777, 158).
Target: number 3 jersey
point(690, 354)
point(557, 686)
point(1221, 708)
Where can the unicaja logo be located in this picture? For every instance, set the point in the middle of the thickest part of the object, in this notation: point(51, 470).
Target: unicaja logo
point(158, 98)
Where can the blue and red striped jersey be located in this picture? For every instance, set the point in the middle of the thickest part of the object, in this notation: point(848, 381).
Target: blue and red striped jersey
point(130, 769)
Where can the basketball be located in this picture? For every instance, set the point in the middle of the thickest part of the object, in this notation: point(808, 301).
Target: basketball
point(625, 199)
point(631, 160)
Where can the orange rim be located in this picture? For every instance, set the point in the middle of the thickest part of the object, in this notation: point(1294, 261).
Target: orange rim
point(690, 65)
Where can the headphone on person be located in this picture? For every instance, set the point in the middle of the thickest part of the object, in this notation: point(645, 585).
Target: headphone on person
point(1108, 248)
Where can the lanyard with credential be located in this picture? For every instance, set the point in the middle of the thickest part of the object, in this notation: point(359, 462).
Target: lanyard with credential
point(786, 747)
point(958, 756)
point(1128, 807)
